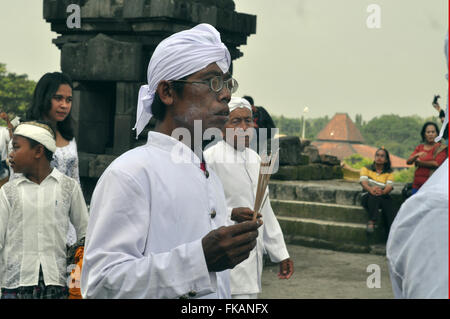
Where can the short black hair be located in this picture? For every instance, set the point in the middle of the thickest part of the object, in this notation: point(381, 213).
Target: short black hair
point(41, 104)
point(424, 128)
point(249, 99)
point(158, 107)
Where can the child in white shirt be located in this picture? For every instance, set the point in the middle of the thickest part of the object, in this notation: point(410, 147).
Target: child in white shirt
point(35, 210)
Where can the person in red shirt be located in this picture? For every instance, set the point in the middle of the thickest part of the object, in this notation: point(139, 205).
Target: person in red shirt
point(427, 157)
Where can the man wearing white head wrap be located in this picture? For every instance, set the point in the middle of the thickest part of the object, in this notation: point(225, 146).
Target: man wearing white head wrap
point(236, 164)
point(35, 210)
point(417, 247)
point(176, 57)
point(157, 212)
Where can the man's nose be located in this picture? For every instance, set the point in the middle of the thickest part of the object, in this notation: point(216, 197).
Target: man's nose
point(225, 93)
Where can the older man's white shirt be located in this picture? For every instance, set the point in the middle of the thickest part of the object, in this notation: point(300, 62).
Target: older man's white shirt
point(238, 171)
point(417, 248)
point(149, 212)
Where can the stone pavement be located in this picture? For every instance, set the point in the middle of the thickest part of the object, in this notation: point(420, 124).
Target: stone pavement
point(326, 274)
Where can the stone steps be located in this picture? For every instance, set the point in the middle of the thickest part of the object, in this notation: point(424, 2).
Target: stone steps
point(340, 236)
point(319, 211)
point(327, 214)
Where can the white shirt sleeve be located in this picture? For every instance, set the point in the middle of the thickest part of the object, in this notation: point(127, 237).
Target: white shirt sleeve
point(116, 263)
point(4, 212)
point(78, 212)
point(273, 236)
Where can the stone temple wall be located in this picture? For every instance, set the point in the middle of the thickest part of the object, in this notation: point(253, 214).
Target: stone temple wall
point(107, 58)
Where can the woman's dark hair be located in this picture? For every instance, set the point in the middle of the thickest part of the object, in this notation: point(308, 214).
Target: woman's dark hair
point(387, 166)
point(41, 104)
point(424, 128)
point(158, 107)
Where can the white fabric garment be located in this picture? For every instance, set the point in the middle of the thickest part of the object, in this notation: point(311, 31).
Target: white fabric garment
point(238, 102)
point(4, 140)
point(149, 212)
point(65, 159)
point(38, 134)
point(33, 228)
point(417, 248)
point(238, 171)
point(180, 55)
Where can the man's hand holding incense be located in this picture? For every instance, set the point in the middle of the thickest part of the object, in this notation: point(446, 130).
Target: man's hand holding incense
point(241, 214)
point(226, 247)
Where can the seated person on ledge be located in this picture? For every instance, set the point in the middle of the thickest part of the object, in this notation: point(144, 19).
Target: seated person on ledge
point(377, 180)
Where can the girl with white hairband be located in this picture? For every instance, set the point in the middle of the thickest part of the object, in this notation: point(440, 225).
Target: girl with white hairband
point(35, 210)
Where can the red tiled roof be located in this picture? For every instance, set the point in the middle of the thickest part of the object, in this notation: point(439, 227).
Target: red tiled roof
point(340, 128)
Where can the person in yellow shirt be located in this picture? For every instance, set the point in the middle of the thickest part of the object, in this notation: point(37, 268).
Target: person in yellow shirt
point(378, 180)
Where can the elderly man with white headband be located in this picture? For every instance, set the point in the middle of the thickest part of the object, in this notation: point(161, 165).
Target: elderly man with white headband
point(417, 247)
point(35, 210)
point(157, 220)
point(237, 165)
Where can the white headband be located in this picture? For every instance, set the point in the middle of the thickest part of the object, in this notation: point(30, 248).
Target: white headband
point(180, 55)
point(238, 102)
point(37, 133)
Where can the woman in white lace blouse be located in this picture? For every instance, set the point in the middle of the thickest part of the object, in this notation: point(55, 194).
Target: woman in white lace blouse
point(52, 102)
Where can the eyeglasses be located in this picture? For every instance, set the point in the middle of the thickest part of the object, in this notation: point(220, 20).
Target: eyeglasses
point(216, 84)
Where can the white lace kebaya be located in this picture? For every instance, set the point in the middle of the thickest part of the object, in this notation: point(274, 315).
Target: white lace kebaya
point(33, 228)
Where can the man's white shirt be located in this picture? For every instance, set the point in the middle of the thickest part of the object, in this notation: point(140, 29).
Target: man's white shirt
point(417, 248)
point(149, 212)
point(239, 171)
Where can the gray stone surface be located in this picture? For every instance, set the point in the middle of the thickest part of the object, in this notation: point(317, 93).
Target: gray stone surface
point(291, 151)
point(104, 59)
point(312, 152)
point(326, 274)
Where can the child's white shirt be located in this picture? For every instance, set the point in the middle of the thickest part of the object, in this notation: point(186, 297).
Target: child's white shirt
point(33, 228)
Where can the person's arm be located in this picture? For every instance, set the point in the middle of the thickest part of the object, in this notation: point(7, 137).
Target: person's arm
point(389, 184)
point(78, 212)
point(414, 155)
point(4, 209)
point(427, 164)
point(364, 181)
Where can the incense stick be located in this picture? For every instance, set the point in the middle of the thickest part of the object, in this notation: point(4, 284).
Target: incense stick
point(265, 170)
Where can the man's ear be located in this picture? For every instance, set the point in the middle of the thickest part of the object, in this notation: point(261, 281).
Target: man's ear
point(165, 92)
point(39, 151)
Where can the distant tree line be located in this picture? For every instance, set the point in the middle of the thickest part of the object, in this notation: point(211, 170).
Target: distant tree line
point(16, 92)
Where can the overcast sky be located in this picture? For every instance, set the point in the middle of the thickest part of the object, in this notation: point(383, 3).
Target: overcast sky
point(314, 53)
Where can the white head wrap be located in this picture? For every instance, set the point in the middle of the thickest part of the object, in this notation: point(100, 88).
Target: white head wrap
point(446, 110)
point(238, 102)
point(180, 55)
point(37, 133)
point(15, 121)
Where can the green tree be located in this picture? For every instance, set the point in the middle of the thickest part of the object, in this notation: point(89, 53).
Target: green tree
point(357, 161)
point(399, 135)
point(16, 92)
